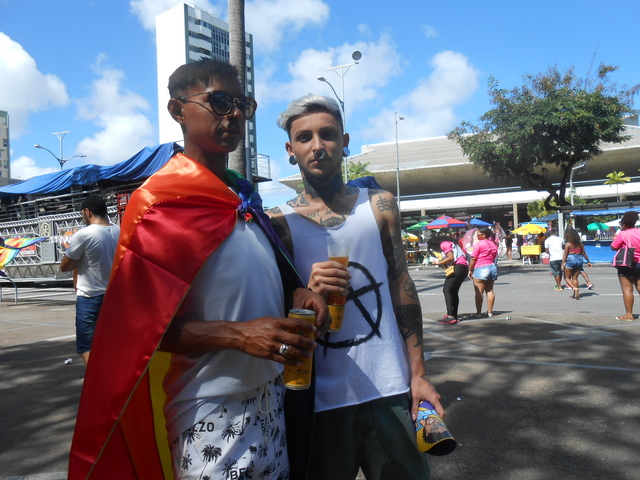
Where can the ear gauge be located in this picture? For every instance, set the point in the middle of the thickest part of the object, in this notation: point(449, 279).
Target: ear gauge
point(346, 152)
point(292, 160)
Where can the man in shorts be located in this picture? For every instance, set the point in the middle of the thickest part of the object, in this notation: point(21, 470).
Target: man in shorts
point(185, 378)
point(90, 256)
point(554, 246)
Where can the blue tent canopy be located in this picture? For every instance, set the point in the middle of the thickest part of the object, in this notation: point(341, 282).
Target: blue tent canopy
point(595, 213)
point(548, 218)
point(479, 222)
point(142, 165)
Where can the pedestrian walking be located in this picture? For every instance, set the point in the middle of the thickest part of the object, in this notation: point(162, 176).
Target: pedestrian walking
point(456, 270)
point(483, 270)
point(90, 256)
point(628, 276)
point(554, 246)
point(573, 258)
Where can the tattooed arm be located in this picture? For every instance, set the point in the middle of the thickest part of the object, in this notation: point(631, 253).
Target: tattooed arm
point(405, 298)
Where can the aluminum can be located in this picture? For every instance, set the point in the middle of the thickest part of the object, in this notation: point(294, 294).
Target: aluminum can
point(298, 377)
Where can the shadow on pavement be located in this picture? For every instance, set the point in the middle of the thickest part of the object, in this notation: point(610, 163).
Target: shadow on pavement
point(558, 408)
point(40, 397)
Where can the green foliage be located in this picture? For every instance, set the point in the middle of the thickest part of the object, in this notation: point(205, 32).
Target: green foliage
point(537, 208)
point(358, 170)
point(536, 133)
point(617, 178)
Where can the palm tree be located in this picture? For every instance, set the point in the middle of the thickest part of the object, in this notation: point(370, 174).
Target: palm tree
point(237, 57)
point(617, 178)
point(209, 452)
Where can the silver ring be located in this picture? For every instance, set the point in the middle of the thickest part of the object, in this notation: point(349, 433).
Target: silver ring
point(284, 349)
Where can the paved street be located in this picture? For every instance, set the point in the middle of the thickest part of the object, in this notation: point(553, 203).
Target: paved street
point(545, 389)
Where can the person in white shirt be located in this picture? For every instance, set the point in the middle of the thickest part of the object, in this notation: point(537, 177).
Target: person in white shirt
point(90, 256)
point(554, 246)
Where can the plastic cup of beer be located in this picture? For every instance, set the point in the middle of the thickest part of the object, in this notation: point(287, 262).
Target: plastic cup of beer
point(298, 377)
point(338, 249)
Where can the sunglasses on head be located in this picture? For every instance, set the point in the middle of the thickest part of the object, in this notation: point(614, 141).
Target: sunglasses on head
point(222, 103)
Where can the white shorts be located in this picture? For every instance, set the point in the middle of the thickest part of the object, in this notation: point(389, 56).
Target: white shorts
point(243, 438)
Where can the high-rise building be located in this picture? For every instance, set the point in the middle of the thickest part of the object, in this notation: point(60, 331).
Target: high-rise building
point(185, 34)
point(5, 166)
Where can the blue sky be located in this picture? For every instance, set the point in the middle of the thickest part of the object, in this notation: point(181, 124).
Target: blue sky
point(88, 66)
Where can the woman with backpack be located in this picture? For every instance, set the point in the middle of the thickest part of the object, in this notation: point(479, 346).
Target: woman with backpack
point(456, 267)
point(629, 276)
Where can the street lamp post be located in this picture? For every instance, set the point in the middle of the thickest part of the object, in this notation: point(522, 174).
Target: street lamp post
point(343, 71)
point(61, 160)
point(397, 119)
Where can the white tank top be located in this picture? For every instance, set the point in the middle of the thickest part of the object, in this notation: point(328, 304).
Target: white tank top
point(240, 281)
point(367, 359)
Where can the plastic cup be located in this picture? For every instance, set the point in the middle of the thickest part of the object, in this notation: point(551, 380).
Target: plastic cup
point(338, 249)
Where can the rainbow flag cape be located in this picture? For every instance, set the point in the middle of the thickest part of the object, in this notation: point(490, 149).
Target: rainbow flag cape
point(120, 429)
point(12, 247)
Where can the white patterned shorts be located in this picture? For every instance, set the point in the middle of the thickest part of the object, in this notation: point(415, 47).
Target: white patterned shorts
point(242, 439)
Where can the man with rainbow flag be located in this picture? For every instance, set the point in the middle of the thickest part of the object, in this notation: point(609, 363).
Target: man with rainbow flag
point(184, 379)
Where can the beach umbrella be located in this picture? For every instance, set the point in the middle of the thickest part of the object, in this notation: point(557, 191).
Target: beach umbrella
point(529, 229)
point(477, 222)
point(445, 221)
point(616, 223)
point(598, 226)
point(410, 237)
point(418, 226)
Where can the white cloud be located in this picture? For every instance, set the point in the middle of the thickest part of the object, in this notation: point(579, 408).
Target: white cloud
point(429, 31)
point(23, 88)
point(379, 63)
point(147, 10)
point(269, 20)
point(125, 130)
point(25, 167)
point(428, 110)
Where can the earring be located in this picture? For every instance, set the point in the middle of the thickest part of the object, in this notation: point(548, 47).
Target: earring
point(292, 160)
point(346, 152)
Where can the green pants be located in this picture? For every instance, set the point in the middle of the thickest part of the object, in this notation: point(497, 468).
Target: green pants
point(377, 436)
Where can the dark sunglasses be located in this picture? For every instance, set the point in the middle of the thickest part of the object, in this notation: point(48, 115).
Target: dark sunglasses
point(222, 103)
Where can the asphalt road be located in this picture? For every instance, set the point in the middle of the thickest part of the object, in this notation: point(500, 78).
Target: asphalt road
point(546, 389)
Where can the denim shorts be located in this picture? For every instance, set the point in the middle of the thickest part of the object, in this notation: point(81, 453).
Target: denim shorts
point(555, 266)
point(87, 310)
point(488, 272)
point(574, 262)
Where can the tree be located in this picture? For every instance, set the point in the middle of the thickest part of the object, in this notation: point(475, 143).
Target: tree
point(537, 208)
point(358, 170)
point(617, 178)
point(553, 120)
point(237, 57)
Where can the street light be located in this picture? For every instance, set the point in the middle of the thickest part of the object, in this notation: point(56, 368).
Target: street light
point(397, 119)
point(61, 160)
point(343, 71)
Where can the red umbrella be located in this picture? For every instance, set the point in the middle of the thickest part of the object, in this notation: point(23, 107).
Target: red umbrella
point(445, 222)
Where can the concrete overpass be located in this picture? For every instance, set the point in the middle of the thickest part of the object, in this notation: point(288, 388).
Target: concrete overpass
point(436, 177)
